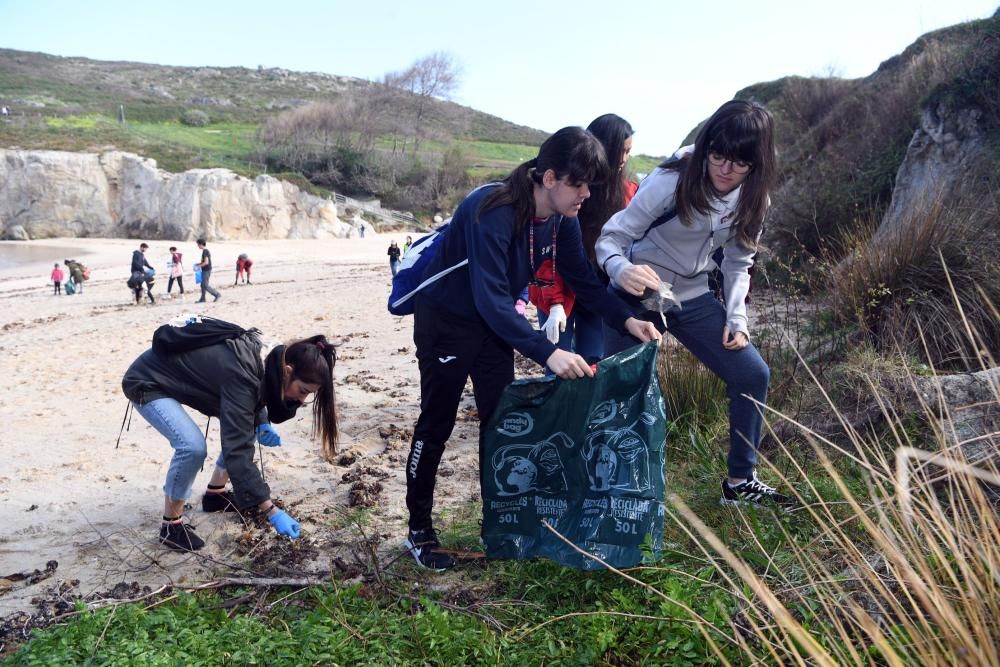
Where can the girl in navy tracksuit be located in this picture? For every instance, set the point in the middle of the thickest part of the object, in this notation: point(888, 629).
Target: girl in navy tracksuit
point(465, 324)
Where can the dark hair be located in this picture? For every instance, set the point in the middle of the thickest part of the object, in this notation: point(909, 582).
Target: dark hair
point(173, 248)
point(312, 360)
point(143, 245)
point(608, 197)
point(200, 242)
point(572, 153)
point(739, 130)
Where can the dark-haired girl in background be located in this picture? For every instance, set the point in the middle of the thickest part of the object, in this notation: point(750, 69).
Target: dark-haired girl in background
point(712, 194)
point(247, 393)
point(465, 324)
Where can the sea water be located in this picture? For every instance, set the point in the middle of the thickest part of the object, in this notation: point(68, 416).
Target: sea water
point(21, 253)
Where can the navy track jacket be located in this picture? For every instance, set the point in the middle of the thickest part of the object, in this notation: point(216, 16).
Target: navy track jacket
point(499, 269)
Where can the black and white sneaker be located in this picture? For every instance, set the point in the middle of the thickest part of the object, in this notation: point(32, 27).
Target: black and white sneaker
point(754, 492)
point(422, 545)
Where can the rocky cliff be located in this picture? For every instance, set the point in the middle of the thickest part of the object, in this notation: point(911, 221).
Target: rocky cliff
point(48, 194)
point(947, 154)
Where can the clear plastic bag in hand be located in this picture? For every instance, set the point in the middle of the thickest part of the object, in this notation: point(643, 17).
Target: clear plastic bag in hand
point(659, 300)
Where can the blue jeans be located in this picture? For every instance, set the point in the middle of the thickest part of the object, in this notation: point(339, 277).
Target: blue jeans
point(698, 324)
point(168, 417)
point(394, 267)
point(584, 334)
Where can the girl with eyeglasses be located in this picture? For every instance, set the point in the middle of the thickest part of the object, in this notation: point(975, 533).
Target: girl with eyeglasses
point(465, 324)
point(710, 195)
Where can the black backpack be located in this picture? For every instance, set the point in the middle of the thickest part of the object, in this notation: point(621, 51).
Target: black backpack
point(193, 331)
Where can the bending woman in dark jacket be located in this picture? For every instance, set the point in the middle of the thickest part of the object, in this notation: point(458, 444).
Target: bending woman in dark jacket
point(230, 381)
point(465, 324)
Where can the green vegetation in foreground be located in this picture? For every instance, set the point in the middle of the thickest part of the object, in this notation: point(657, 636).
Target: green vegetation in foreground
point(821, 585)
point(457, 618)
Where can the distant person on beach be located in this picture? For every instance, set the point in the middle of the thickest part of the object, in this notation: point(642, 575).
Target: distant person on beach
point(229, 380)
point(142, 275)
point(176, 270)
point(465, 324)
point(243, 263)
point(206, 272)
point(139, 280)
point(393, 253)
point(57, 277)
point(709, 195)
point(75, 269)
point(139, 262)
point(406, 244)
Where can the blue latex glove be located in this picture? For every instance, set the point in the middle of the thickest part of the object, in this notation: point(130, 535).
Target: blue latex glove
point(267, 436)
point(284, 524)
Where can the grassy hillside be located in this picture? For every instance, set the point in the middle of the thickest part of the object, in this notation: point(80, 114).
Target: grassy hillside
point(73, 104)
point(37, 83)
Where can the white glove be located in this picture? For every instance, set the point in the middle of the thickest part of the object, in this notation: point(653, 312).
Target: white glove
point(555, 324)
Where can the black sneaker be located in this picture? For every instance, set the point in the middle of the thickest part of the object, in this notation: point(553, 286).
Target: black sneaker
point(754, 492)
point(422, 545)
point(219, 502)
point(180, 537)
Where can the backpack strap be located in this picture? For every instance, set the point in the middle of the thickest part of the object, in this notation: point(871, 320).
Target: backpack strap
point(667, 216)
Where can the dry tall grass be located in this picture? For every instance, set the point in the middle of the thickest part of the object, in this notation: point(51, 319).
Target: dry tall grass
point(906, 573)
point(925, 275)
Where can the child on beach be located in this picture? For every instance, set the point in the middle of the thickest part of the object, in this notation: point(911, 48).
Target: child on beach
point(57, 278)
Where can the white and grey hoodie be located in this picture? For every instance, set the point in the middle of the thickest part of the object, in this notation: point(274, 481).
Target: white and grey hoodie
point(680, 254)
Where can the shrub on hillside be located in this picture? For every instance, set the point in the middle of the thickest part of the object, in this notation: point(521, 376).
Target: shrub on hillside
point(195, 118)
point(842, 142)
point(913, 289)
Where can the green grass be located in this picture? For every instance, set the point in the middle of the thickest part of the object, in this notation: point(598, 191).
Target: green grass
point(642, 164)
point(510, 613)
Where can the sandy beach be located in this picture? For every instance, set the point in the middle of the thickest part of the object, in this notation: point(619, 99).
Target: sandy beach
point(67, 494)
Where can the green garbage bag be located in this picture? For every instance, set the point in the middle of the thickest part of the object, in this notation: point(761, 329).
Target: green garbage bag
point(587, 456)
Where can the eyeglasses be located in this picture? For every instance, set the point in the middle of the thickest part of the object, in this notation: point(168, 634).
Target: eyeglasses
point(738, 166)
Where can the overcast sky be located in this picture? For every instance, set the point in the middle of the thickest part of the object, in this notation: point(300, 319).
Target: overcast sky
point(662, 65)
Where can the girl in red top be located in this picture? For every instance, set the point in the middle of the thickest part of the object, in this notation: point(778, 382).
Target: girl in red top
point(572, 326)
point(243, 263)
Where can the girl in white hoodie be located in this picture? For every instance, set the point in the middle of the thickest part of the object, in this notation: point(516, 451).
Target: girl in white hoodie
point(710, 195)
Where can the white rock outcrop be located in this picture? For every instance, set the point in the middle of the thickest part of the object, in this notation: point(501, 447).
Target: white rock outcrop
point(945, 156)
point(46, 194)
